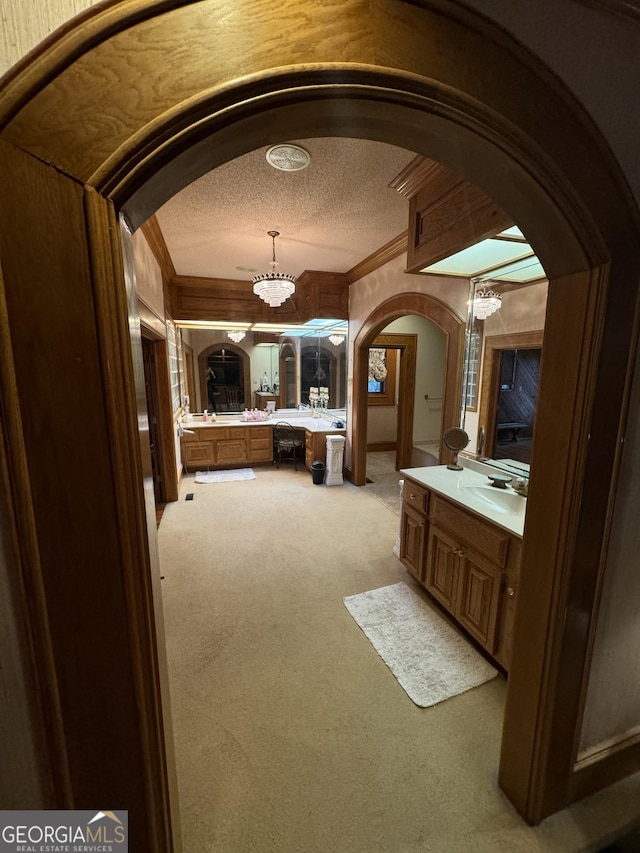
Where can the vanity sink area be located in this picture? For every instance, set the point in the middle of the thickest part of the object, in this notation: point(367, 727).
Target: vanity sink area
point(461, 539)
point(230, 441)
point(497, 500)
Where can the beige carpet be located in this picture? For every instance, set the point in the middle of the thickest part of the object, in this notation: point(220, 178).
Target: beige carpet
point(290, 735)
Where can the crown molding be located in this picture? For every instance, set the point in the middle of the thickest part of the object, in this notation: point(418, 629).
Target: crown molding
point(155, 238)
point(393, 249)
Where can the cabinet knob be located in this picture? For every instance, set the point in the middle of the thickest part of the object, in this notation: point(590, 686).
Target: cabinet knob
point(511, 591)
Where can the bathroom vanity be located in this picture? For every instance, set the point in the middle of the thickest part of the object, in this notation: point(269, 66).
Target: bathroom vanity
point(232, 442)
point(461, 539)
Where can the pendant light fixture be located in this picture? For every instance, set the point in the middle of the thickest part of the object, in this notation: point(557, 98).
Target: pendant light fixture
point(485, 302)
point(274, 287)
point(336, 340)
point(236, 335)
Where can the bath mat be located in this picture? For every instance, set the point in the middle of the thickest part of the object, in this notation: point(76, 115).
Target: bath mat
point(430, 659)
point(225, 476)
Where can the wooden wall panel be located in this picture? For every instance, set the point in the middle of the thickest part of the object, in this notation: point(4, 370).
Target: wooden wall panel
point(317, 294)
point(447, 215)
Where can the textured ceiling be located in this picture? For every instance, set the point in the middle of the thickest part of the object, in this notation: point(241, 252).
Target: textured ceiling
point(330, 216)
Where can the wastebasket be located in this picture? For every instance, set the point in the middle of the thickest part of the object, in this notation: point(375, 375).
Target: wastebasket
point(317, 472)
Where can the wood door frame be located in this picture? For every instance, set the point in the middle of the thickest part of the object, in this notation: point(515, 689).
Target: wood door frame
point(490, 383)
point(442, 316)
point(407, 347)
point(167, 458)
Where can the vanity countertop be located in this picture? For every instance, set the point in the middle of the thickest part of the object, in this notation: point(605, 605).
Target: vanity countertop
point(310, 424)
point(473, 491)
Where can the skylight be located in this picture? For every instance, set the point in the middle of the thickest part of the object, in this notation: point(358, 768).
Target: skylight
point(506, 257)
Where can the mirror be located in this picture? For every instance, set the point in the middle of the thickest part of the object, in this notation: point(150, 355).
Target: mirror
point(455, 439)
point(502, 358)
point(267, 369)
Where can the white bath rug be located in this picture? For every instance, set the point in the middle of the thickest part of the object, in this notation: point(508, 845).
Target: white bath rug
point(225, 476)
point(430, 659)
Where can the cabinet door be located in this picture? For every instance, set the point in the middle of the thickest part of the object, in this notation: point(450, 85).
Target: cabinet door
point(479, 588)
point(442, 568)
point(412, 538)
point(198, 455)
point(231, 450)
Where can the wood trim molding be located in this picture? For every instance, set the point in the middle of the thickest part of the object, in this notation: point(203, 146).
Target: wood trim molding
point(605, 765)
point(400, 305)
point(393, 249)
point(489, 385)
point(408, 346)
point(155, 238)
point(415, 176)
point(150, 320)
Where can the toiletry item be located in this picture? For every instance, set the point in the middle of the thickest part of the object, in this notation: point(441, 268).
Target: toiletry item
point(205, 416)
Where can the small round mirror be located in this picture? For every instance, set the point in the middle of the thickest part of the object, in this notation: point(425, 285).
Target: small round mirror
point(455, 439)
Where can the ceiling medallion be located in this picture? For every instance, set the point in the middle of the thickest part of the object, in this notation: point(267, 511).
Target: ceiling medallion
point(274, 287)
point(288, 158)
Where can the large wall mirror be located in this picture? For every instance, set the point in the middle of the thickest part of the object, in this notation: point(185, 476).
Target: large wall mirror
point(503, 353)
point(503, 346)
point(240, 365)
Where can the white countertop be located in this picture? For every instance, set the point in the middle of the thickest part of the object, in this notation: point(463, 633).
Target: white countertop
point(473, 491)
point(310, 424)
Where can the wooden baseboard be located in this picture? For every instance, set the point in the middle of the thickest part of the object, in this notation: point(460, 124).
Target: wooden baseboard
point(605, 766)
point(381, 446)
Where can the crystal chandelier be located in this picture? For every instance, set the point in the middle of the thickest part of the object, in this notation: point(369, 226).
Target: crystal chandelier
point(237, 336)
point(485, 303)
point(273, 287)
point(336, 340)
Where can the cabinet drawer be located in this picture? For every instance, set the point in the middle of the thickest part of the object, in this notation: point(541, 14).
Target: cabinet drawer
point(415, 496)
point(481, 535)
point(256, 433)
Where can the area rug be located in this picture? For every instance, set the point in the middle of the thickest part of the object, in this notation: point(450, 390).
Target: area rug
point(430, 659)
point(225, 476)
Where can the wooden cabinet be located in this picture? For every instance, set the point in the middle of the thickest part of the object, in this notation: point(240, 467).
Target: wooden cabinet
point(225, 447)
point(466, 563)
point(316, 446)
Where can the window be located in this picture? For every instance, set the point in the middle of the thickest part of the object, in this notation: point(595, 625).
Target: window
point(381, 382)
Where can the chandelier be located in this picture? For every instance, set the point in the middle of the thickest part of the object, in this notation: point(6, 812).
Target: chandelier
point(237, 336)
point(336, 340)
point(485, 303)
point(273, 287)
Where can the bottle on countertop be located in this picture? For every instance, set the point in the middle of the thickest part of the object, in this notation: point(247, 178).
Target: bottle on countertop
point(264, 382)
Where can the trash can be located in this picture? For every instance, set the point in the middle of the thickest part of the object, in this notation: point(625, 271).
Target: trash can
point(317, 472)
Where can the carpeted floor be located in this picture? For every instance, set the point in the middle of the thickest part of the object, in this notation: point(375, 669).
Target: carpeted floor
point(291, 734)
point(384, 480)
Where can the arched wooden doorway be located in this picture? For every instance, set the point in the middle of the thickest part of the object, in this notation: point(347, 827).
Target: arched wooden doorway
point(75, 154)
point(441, 316)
